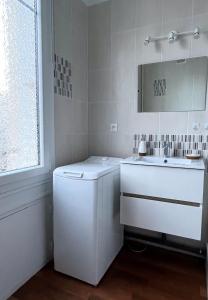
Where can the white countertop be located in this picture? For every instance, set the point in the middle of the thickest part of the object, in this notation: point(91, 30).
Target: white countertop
point(171, 162)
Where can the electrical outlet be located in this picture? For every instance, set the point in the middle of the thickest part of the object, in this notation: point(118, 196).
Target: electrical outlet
point(196, 126)
point(114, 127)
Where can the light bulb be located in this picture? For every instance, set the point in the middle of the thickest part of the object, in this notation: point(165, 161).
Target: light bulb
point(172, 36)
point(196, 33)
point(147, 40)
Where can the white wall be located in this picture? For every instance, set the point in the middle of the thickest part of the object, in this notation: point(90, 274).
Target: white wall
point(71, 116)
point(117, 30)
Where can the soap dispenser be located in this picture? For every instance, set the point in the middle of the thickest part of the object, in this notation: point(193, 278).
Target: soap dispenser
point(142, 147)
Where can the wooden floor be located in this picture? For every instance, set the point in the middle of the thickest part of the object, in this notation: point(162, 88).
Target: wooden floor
point(152, 275)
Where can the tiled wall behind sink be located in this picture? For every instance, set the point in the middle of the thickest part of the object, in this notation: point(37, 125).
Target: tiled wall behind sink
point(179, 145)
point(117, 30)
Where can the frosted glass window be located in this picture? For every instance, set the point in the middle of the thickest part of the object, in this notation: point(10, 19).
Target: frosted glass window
point(30, 3)
point(19, 103)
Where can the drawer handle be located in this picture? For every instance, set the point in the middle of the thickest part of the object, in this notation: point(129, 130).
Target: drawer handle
point(180, 202)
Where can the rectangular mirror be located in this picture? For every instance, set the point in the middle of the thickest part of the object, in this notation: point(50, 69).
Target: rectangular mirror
point(179, 85)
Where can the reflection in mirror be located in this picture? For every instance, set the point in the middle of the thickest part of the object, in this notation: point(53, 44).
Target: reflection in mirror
point(178, 85)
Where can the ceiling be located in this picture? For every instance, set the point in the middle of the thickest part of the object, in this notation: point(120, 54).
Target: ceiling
point(92, 2)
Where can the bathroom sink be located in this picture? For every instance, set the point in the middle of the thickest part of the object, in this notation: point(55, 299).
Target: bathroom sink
point(166, 162)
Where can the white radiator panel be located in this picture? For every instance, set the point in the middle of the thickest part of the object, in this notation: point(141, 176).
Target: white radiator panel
point(24, 246)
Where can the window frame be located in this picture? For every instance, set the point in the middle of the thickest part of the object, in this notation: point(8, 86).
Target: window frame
point(44, 28)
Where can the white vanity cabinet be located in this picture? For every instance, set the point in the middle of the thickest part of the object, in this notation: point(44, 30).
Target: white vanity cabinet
point(167, 199)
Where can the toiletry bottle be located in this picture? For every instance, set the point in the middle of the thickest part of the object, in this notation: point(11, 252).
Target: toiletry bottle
point(142, 147)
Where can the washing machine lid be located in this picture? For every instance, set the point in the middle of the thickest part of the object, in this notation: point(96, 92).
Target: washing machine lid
point(90, 169)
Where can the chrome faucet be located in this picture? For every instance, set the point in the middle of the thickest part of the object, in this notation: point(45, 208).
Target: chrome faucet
point(166, 148)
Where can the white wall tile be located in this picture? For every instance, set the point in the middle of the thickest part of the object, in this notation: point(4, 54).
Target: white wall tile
point(123, 49)
point(64, 149)
point(99, 42)
point(100, 85)
point(149, 12)
point(123, 15)
point(121, 145)
point(99, 18)
point(143, 122)
point(71, 116)
point(80, 147)
point(79, 48)
point(177, 50)
point(173, 122)
point(64, 114)
point(101, 115)
point(62, 22)
point(176, 9)
point(79, 15)
point(124, 83)
point(99, 53)
point(79, 83)
point(200, 117)
point(100, 144)
point(200, 7)
point(123, 116)
point(199, 47)
point(80, 113)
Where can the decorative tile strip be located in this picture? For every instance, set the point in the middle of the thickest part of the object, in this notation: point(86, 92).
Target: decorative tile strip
point(62, 77)
point(179, 145)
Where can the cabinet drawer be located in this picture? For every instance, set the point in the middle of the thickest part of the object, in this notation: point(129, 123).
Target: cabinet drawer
point(176, 219)
point(163, 182)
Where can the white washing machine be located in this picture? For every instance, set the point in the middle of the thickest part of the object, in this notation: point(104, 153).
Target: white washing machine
point(87, 230)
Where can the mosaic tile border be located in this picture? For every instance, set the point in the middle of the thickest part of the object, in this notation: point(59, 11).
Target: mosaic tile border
point(180, 145)
point(62, 77)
